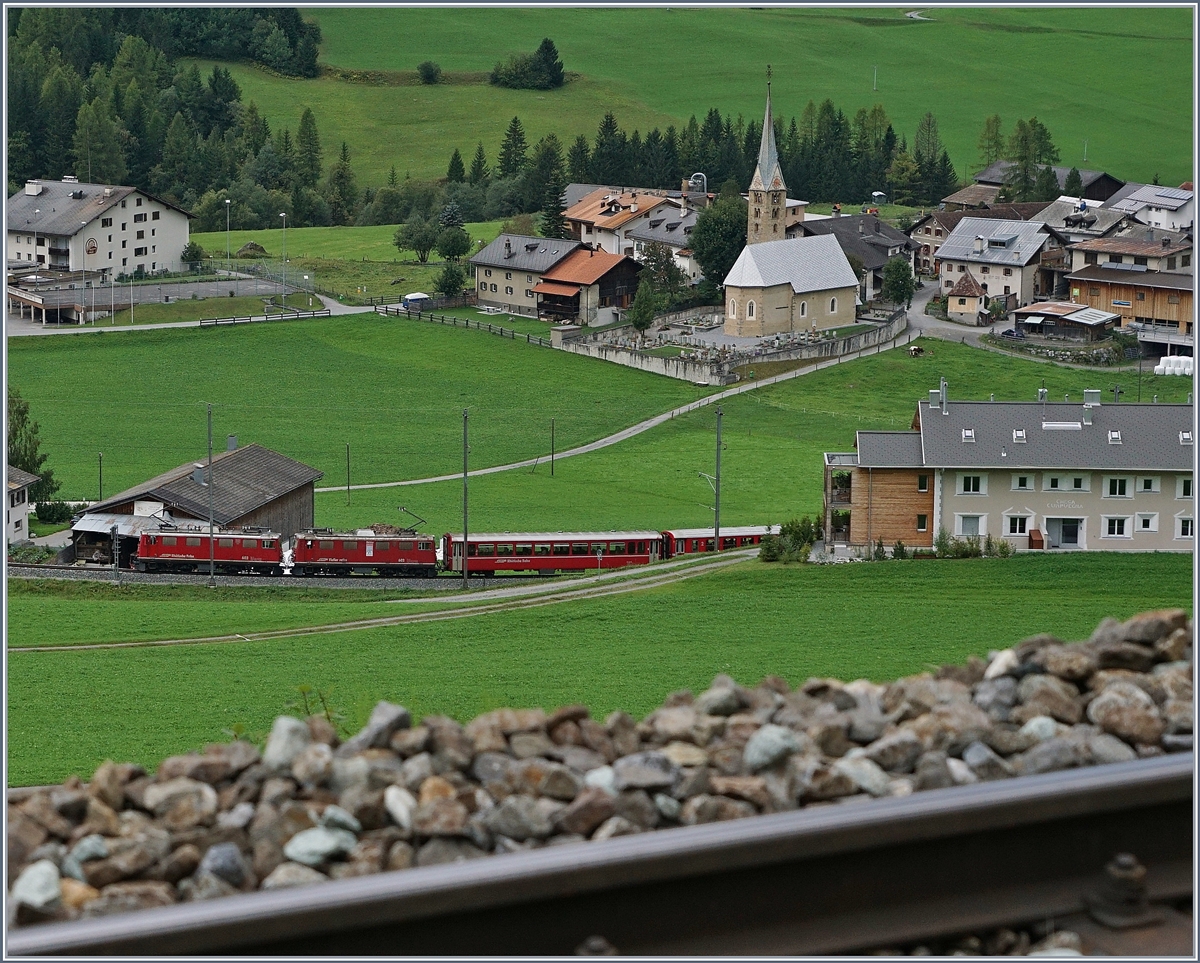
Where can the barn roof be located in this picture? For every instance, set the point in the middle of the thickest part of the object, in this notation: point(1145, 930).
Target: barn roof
point(244, 480)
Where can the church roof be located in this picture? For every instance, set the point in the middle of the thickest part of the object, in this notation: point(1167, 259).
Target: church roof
point(768, 176)
point(806, 263)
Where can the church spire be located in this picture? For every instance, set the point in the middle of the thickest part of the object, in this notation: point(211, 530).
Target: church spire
point(768, 176)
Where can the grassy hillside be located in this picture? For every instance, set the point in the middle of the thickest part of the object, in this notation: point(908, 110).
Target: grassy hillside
point(880, 621)
point(963, 64)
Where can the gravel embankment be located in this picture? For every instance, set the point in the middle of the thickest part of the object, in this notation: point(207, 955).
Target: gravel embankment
point(311, 807)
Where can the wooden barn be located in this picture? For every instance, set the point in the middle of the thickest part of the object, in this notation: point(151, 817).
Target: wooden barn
point(251, 486)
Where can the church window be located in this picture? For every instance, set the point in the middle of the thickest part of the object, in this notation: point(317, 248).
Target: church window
point(757, 212)
point(804, 309)
point(774, 228)
point(749, 309)
point(732, 308)
point(833, 305)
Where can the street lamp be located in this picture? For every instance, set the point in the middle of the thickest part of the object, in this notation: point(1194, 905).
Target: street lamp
point(283, 214)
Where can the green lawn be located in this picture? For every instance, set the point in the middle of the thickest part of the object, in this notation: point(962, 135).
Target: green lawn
point(879, 620)
point(393, 389)
point(1135, 60)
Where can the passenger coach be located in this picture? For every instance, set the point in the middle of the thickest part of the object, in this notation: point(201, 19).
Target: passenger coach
point(549, 552)
point(688, 541)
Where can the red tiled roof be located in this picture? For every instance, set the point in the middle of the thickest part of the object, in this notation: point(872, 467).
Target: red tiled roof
point(564, 290)
point(966, 287)
point(583, 267)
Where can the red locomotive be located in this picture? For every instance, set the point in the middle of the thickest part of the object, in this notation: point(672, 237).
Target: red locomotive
point(550, 552)
point(187, 550)
point(322, 551)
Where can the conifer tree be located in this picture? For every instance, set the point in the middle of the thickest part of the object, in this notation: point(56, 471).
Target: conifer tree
point(456, 173)
point(479, 173)
point(513, 149)
point(308, 151)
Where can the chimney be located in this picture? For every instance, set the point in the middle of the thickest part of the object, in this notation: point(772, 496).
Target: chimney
point(877, 228)
point(935, 397)
point(942, 397)
point(860, 227)
point(977, 247)
point(507, 248)
point(198, 476)
point(1091, 396)
point(1166, 241)
point(33, 188)
point(231, 443)
point(837, 210)
point(1042, 395)
point(1087, 415)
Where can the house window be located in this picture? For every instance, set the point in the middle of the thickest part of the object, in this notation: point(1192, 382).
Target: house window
point(1115, 259)
point(1170, 264)
point(1017, 524)
point(508, 275)
point(732, 308)
point(961, 268)
point(1186, 528)
point(969, 525)
point(985, 270)
point(106, 222)
point(508, 290)
point(1116, 527)
point(141, 235)
point(1141, 296)
point(528, 292)
point(922, 523)
point(139, 202)
point(529, 279)
point(123, 243)
point(922, 483)
point(487, 272)
point(1185, 260)
point(139, 252)
point(1021, 483)
point(154, 215)
point(971, 485)
point(1183, 488)
point(1008, 272)
point(139, 218)
point(949, 284)
point(749, 309)
point(1118, 488)
point(1149, 484)
point(1147, 522)
point(962, 300)
point(833, 305)
point(483, 285)
point(1140, 260)
point(494, 288)
point(1051, 483)
point(937, 232)
point(1081, 483)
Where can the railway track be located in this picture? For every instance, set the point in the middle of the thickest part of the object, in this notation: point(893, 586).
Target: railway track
point(840, 878)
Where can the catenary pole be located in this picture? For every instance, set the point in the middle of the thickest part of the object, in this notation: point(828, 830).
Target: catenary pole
point(464, 548)
point(212, 580)
point(551, 447)
point(717, 490)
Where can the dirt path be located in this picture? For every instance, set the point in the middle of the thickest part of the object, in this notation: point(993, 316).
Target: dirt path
point(507, 600)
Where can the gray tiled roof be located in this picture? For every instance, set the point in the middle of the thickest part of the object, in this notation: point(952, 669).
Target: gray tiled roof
point(672, 228)
point(64, 215)
point(531, 254)
point(19, 478)
point(1149, 436)
point(1126, 274)
point(1095, 221)
point(1168, 198)
point(243, 480)
point(994, 174)
point(1027, 240)
point(806, 263)
point(870, 245)
point(889, 449)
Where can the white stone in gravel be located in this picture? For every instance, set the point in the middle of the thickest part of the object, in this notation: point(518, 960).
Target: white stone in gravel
point(865, 774)
point(335, 817)
point(1041, 728)
point(668, 807)
point(1004, 662)
point(38, 885)
point(768, 745)
point(902, 786)
point(960, 772)
point(289, 736)
point(238, 817)
point(292, 874)
point(160, 796)
point(348, 772)
point(1108, 749)
point(313, 846)
point(400, 804)
point(91, 847)
point(602, 777)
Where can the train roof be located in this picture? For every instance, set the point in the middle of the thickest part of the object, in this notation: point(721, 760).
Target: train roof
point(555, 536)
point(202, 529)
point(361, 533)
point(730, 531)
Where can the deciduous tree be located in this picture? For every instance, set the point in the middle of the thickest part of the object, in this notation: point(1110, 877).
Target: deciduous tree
point(718, 238)
point(24, 447)
point(898, 282)
point(417, 235)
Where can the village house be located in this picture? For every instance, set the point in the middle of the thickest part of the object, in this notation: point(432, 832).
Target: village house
point(967, 301)
point(1065, 319)
point(1097, 185)
point(1005, 256)
point(1169, 208)
point(508, 270)
point(1040, 474)
point(1077, 219)
point(16, 517)
point(251, 486)
point(588, 287)
point(604, 219)
point(931, 230)
point(672, 229)
point(101, 229)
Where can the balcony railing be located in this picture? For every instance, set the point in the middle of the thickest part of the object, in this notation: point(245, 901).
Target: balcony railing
point(839, 496)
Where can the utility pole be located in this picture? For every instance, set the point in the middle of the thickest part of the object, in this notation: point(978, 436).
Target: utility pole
point(116, 553)
point(465, 450)
point(212, 568)
point(347, 473)
point(717, 490)
point(551, 447)
point(101, 456)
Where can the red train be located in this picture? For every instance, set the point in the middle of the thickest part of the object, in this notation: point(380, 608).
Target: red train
point(323, 551)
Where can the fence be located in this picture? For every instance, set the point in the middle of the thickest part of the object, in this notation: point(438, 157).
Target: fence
point(289, 316)
point(487, 326)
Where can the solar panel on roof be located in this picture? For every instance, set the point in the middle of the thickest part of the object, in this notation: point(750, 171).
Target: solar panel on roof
point(1175, 193)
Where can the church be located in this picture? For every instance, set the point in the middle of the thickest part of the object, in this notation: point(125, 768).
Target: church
point(780, 285)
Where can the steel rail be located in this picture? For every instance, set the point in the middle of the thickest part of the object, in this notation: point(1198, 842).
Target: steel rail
point(824, 879)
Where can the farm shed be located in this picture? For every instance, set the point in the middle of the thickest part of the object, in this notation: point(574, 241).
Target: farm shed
point(251, 486)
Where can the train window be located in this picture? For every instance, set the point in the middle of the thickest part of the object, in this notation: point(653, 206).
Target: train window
point(599, 547)
point(579, 548)
point(424, 546)
point(617, 548)
point(268, 543)
point(382, 546)
point(193, 541)
point(504, 549)
point(325, 543)
point(487, 549)
point(168, 539)
point(709, 544)
point(249, 543)
point(526, 549)
point(729, 543)
point(562, 548)
point(349, 546)
point(542, 549)
point(225, 542)
point(470, 551)
point(405, 546)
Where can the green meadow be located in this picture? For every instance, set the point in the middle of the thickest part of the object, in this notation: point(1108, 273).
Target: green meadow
point(963, 63)
point(879, 620)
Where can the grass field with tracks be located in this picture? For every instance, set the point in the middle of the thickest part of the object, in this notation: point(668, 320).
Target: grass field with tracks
point(68, 711)
point(964, 64)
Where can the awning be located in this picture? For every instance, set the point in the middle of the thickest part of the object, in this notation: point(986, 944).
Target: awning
point(562, 290)
point(130, 526)
point(1036, 320)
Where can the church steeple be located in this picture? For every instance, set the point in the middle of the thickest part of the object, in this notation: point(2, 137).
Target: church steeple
point(768, 193)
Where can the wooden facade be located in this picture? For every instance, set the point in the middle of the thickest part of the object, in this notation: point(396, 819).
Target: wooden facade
point(1144, 303)
point(887, 503)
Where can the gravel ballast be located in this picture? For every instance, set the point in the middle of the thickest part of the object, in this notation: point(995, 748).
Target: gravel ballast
point(309, 807)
